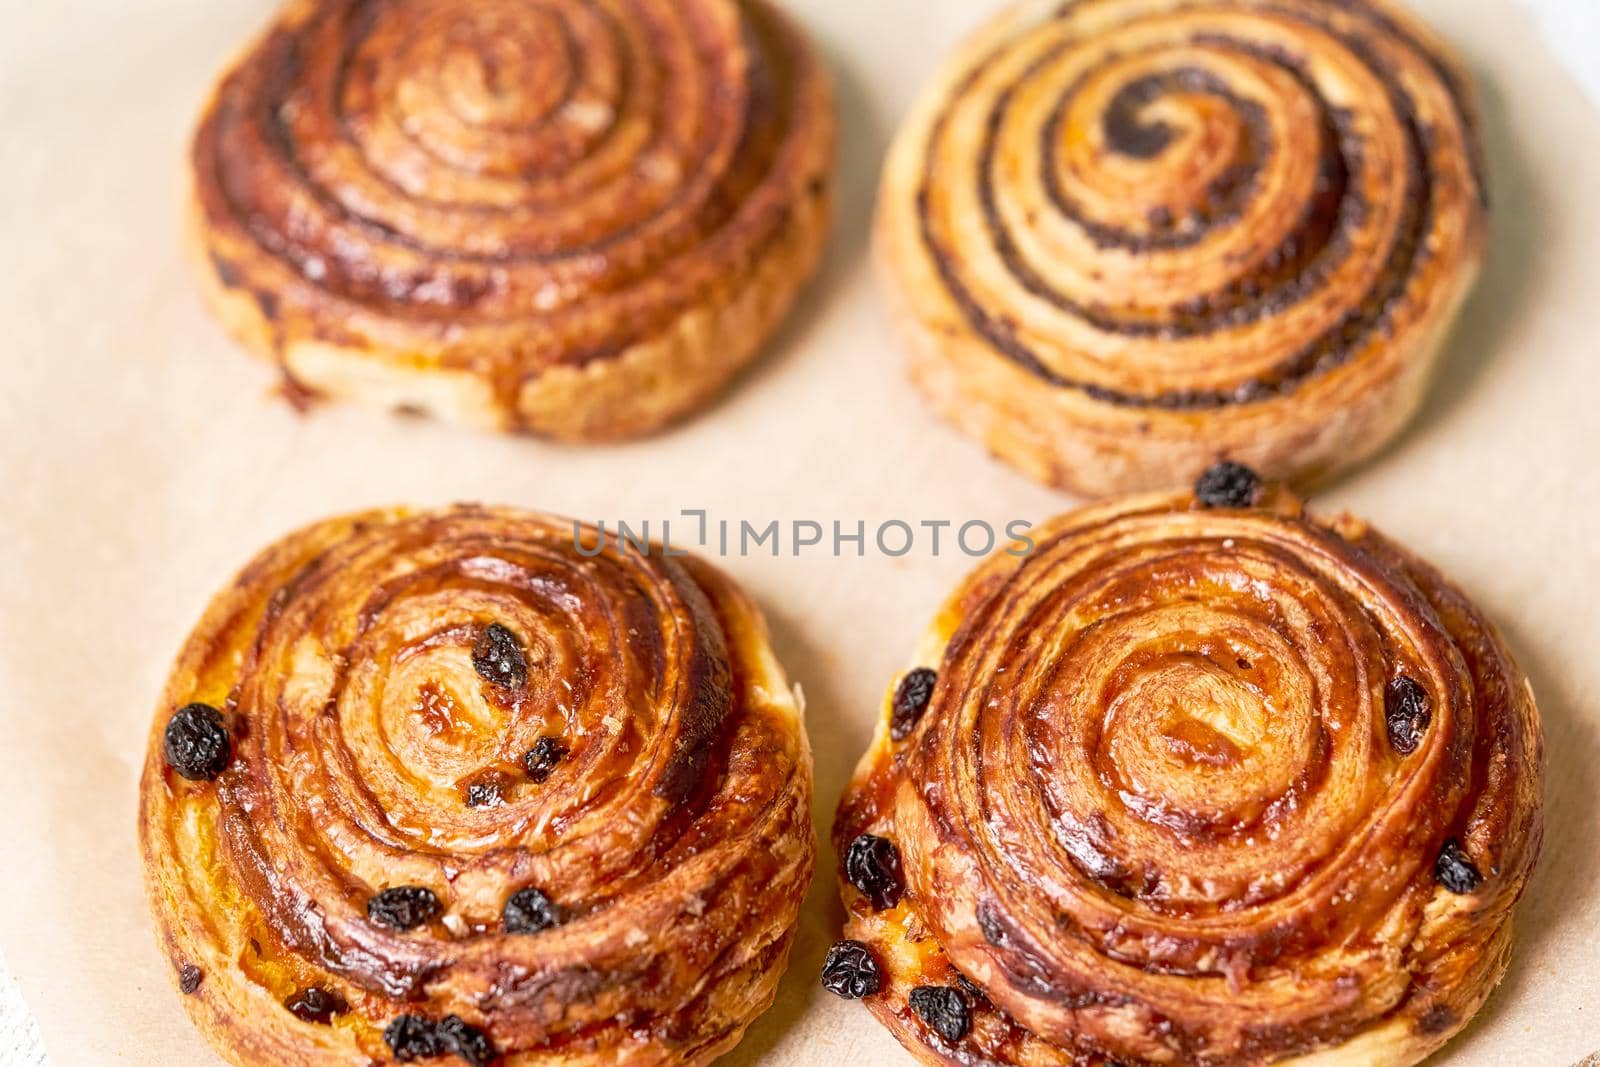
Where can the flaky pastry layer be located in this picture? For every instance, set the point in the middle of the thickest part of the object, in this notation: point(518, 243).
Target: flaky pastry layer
point(626, 745)
point(1207, 786)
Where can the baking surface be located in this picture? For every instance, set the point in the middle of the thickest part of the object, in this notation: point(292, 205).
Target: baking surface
point(145, 460)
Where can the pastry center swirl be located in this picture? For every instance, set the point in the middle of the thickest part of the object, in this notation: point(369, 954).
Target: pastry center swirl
point(1187, 726)
point(369, 724)
point(1197, 205)
point(511, 157)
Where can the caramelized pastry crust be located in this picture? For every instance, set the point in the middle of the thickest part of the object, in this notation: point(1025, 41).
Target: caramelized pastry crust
point(1127, 237)
point(574, 219)
point(487, 792)
point(1197, 785)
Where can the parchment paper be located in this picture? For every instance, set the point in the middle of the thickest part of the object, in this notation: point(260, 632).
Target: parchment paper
point(143, 460)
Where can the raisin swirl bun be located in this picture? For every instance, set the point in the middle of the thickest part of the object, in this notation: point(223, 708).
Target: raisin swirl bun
point(1194, 782)
point(567, 218)
point(443, 783)
point(1125, 238)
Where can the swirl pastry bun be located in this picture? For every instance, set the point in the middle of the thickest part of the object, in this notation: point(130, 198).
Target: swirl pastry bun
point(432, 784)
point(1126, 238)
point(1194, 782)
point(577, 220)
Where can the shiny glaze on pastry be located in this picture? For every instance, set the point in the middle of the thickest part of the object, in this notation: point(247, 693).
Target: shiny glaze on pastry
point(462, 704)
point(1125, 238)
point(574, 219)
point(1201, 785)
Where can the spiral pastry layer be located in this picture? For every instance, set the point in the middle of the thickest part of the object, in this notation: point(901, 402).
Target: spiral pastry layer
point(575, 218)
point(1193, 785)
point(1127, 237)
point(477, 792)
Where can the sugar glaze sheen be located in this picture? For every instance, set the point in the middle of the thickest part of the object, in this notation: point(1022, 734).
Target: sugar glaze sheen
point(1176, 719)
point(340, 892)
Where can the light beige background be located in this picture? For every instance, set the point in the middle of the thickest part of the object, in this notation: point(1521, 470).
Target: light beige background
point(142, 460)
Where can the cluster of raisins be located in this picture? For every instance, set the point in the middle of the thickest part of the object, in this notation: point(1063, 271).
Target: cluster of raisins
point(406, 907)
point(416, 1037)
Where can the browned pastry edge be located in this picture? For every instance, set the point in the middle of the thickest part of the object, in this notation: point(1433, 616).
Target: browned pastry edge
point(673, 834)
point(1031, 355)
point(626, 352)
point(1449, 950)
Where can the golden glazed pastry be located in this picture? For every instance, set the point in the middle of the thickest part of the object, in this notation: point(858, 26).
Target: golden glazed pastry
point(1196, 783)
point(1126, 238)
point(434, 784)
point(569, 218)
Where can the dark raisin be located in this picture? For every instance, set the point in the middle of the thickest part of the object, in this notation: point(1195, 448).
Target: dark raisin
point(1436, 1020)
point(527, 911)
point(189, 977)
point(483, 794)
point(872, 865)
point(1407, 710)
point(456, 1035)
point(944, 1009)
point(1454, 870)
point(541, 759)
point(316, 1005)
point(412, 1037)
point(403, 907)
point(498, 657)
point(911, 698)
point(851, 971)
point(197, 744)
point(1228, 485)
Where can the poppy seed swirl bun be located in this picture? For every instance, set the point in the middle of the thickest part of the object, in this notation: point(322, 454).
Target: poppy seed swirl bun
point(479, 794)
point(1194, 785)
point(572, 219)
point(1126, 238)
